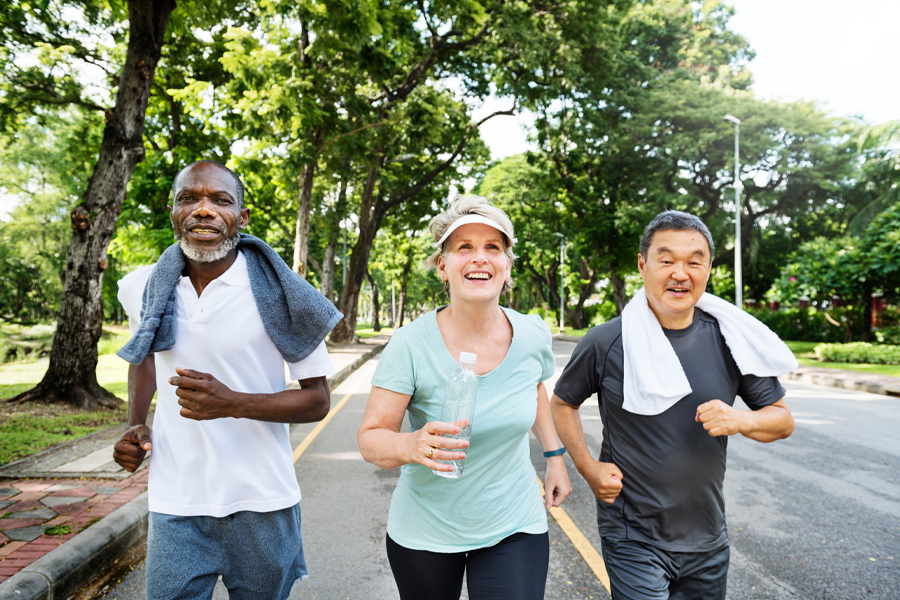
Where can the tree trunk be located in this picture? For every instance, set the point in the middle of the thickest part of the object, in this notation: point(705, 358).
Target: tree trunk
point(401, 302)
point(304, 207)
point(620, 298)
point(575, 315)
point(404, 281)
point(71, 376)
point(866, 329)
point(345, 330)
point(376, 305)
point(328, 271)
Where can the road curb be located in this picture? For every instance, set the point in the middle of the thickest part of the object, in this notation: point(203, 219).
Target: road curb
point(843, 382)
point(339, 377)
point(68, 568)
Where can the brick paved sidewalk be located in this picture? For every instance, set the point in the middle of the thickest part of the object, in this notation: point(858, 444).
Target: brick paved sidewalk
point(29, 506)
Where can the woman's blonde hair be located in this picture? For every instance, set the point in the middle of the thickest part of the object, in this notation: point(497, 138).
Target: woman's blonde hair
point(469, 204)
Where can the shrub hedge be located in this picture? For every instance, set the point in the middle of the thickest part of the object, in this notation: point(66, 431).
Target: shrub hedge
point(804, 324)
point(859, 352)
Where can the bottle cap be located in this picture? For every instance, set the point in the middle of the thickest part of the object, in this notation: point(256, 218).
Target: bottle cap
point(467, 358)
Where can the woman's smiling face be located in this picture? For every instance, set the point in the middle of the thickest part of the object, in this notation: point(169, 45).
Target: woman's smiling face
point(475, 264)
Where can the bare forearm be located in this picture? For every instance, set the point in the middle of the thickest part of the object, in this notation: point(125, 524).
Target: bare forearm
point(774, 422)
point(141, 387)
point(384, 448)
point(543, 428)
point(568, 427)
point(305, 405)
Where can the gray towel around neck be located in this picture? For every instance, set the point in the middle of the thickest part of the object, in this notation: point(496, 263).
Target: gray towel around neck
point(296, 316)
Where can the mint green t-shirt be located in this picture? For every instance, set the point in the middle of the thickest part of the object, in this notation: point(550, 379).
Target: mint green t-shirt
point(498, 494)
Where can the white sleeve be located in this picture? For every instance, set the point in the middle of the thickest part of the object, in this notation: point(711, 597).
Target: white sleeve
point(131, 295)
point(317, 364)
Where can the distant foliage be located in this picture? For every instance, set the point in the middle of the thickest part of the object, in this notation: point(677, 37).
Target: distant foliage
point(859, 352)
point(804, 324)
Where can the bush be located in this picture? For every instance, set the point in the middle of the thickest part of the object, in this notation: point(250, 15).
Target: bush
point(888, 335)
point(803, 324)
point(859, 352)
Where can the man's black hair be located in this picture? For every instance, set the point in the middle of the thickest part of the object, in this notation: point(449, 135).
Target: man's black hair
point(675, 220)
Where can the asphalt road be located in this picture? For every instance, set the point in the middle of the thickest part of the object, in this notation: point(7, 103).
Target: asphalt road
point(814, 517)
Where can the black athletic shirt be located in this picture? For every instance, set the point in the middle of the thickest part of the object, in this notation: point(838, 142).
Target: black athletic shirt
point(673, 470)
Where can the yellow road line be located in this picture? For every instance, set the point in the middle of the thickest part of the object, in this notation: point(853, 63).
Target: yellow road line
point(581, 543)
point(299, 450)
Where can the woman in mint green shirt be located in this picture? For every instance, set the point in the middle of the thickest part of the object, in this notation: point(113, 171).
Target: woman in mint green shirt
point(491, 523)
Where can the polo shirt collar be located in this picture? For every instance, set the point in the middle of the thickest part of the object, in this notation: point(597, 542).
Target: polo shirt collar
point(236, 275)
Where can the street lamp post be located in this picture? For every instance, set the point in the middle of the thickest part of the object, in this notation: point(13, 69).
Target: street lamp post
point(562, 282)
point(738, 282)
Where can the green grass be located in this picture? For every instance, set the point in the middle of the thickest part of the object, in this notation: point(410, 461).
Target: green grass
point(58, 530)
point(17, 377)
point(804, 349)
point(364, 330)
point(573, 332)
point(26, 430)
point(29, 428)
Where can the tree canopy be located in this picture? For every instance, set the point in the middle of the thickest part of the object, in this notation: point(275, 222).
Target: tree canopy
point(356, 121)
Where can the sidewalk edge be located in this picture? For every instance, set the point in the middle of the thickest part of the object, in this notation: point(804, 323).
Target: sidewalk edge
point(843, 382)
point(339, 377)
point(66, 569)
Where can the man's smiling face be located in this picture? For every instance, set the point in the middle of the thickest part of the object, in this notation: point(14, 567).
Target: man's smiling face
point(675, 274)
point(206, 216)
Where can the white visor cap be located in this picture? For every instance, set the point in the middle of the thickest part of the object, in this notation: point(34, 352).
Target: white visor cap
point(468, 220)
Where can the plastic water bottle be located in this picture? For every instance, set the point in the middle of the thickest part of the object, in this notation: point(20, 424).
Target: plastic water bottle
point(459, 408)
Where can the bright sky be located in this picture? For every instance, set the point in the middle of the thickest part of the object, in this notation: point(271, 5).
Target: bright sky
point(844, 54)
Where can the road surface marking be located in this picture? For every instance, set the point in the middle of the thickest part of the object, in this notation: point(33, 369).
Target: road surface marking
point(299, 450)
point(581, 543)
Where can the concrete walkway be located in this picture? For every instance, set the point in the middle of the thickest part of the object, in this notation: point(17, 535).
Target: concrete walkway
point(69, 512)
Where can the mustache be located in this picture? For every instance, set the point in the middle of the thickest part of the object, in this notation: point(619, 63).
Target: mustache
point(679, 284)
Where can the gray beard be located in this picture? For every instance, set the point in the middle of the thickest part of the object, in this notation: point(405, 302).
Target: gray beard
point(208, 256)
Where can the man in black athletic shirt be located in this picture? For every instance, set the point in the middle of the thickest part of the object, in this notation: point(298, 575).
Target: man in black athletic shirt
point(658, 480)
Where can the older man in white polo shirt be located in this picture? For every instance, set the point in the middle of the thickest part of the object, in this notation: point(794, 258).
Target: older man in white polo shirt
point(213, 323)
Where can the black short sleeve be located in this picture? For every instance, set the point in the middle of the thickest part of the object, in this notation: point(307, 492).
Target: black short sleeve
point(759, 392)
point(582, 376)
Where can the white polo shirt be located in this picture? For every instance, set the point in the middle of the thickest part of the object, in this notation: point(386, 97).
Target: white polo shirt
point(220, 466)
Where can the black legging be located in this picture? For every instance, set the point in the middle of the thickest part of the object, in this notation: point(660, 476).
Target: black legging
point(514, 569)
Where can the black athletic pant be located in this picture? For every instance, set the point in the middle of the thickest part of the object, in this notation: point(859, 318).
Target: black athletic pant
point(514, 569)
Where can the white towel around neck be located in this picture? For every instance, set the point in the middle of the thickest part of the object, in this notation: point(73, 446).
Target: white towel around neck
point(654, 378)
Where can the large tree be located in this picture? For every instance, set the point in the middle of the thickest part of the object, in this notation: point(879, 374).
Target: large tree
point(796, 168)
point(71, 375)
point(595, 129)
